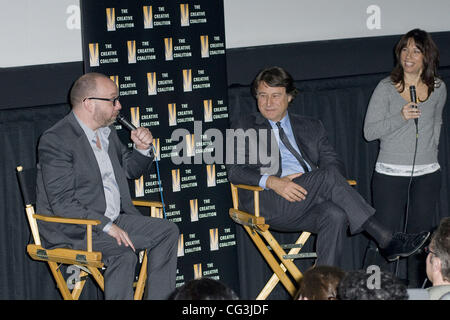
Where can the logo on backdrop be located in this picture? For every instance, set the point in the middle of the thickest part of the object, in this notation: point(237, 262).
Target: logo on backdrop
point(151, 83)
point(211, 175)
point(156, 145)
point(207, 106)
point(131, 49)
point(214, 239)
point(139, 187)
point(190, 145)
point(172, 114)
point(204, 43)
point(176, 185)
point(148, 17)
point(193, 203)
point(180, 245)
point(94, 59)
point(187, 80)
point(110, 19)
point(135, 119)
point(198, 271)
point(184, 13)
point(168, 48)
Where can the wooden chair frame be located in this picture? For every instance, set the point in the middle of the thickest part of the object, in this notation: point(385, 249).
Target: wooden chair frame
point(88, 261)
point(281, 263)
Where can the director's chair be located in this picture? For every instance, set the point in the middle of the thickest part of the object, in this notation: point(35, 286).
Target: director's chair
point(279, 261)
point(88, 261)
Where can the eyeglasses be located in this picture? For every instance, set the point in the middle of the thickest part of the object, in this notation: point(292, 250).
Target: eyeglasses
point(427, 250)
point(113, 100)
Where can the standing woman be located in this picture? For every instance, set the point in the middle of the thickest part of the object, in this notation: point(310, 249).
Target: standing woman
point(409, 135)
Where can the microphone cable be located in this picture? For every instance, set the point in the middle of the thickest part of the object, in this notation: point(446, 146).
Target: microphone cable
point(127, 124)
point(159, 180)
point(409, 189)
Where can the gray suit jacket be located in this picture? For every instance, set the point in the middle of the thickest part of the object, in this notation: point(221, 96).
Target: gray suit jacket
point(311, 138)
point(309, 134)
point(69, 182)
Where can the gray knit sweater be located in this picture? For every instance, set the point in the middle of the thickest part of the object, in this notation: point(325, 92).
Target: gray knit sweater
point(397, 136)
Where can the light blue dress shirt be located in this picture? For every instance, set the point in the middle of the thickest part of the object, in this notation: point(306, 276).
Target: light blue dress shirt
point(289, 164)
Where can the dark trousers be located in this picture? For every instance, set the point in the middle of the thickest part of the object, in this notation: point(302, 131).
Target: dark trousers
point(160, 237)
point(329, 208)
point(390, 194)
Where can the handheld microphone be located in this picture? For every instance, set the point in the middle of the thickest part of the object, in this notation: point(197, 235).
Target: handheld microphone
point(124, 121)
point(412, 93)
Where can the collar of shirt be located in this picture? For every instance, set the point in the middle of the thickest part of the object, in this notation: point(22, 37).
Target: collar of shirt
point(90, 134)
point(285, 123)
point(289, 163)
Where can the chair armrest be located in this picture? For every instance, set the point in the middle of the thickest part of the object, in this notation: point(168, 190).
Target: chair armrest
point(255, 189)
point(66, 220)
point(88, 222)
point(152, 205)
point(248, 219)
point(258, 188)
point(248, 187)
point(145, 203)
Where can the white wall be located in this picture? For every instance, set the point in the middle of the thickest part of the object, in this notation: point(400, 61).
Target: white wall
point(256, 22)
point(48, 31)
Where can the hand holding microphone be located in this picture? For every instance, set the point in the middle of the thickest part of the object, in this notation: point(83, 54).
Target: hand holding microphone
point(142, 137)
point(410, 110)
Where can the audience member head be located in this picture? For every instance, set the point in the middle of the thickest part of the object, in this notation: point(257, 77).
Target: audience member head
point(438, 259)
point(360, 285)
point(204, 289)
point(320, 283)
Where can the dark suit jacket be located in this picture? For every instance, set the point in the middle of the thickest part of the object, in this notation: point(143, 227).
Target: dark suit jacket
point(69, 182)
point(309, 134)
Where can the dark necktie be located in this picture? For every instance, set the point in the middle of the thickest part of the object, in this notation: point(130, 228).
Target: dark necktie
point(288, 145)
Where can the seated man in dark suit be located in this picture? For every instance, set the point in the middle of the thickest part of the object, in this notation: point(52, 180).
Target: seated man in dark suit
point(303, 178)
point(82, 173)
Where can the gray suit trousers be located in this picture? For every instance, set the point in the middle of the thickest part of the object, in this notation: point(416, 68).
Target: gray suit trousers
point(159, 237)
point(330, 207)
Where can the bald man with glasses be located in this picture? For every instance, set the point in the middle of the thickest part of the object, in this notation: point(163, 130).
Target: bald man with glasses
point(82, 173)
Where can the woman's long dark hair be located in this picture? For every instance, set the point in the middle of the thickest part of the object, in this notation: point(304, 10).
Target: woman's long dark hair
point(430, 53)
